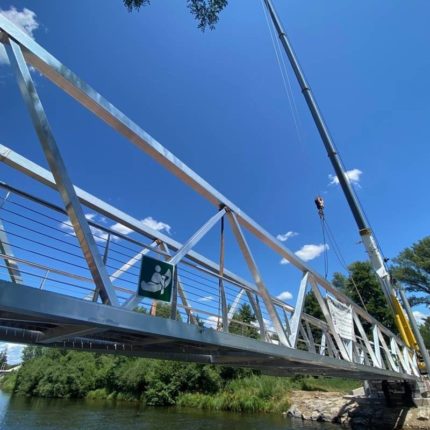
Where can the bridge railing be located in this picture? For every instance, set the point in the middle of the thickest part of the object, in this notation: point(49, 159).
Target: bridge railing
point(40, 249)
point(91, 250)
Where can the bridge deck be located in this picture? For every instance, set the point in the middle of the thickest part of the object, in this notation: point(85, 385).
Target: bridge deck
point(28, 315)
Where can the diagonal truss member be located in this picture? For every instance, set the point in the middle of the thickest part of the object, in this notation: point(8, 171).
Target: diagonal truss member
point(58, 169)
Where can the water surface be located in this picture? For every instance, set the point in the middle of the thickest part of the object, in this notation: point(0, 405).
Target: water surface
point(22, 413)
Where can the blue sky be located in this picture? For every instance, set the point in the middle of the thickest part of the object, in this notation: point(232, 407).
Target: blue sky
point(217, 101)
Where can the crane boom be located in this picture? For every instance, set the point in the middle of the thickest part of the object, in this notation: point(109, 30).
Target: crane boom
point(406, 324)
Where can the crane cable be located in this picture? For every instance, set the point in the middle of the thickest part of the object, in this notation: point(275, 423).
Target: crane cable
point(328, 233)
point(285, 76)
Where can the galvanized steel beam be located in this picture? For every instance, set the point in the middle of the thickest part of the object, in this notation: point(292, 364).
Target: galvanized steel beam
point(243, 245)
point(62, 180)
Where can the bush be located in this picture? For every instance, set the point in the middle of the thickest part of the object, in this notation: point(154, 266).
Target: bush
point(70, 374)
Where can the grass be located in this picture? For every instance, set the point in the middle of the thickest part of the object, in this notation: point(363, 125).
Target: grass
point(261, 393)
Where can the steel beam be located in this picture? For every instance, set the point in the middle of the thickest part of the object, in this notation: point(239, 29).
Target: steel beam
point(327, 316)
point(388, 354)
point(376, 346)
point(58, 168)
point(196, 237)
point(221, 290)
point(6, 249)
point(235, 304)
point(181, 291)
point(298, 311)
point(363, 335)
point(133, 260)
point(257, 311)
point(258, 279)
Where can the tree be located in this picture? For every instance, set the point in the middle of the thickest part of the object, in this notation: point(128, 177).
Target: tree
point(244, 315)
point(3, 358)
point(206, 12)
point(425, 332)
point(312, 307)
point(30, 352)
point(363, 282)
point(412, 267)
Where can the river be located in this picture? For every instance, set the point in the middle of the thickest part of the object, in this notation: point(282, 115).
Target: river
point(22, 413)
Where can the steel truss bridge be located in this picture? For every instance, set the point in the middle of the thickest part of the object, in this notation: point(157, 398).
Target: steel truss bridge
point(70, 281)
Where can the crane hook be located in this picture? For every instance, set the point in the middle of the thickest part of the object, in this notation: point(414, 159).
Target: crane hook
point(319, 203)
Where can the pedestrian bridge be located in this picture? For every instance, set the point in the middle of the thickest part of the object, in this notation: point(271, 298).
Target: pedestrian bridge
point(70, 271)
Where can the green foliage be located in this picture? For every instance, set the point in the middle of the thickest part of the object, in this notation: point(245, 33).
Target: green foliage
point(8, 382)
point(262, 393)
point(311, 306)
point(251, 394)
point(244, 315)
point(206, 12)
point(58, 374)
point(363, 282)
point(72, 374)
point(425, 332)
point(3, 358)
point(412, 267)
point(31, 352)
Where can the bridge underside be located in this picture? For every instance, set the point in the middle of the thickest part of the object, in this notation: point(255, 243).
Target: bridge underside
point(32, 316)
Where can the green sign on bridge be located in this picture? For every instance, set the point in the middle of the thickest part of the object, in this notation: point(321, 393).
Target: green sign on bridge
point(156, 279)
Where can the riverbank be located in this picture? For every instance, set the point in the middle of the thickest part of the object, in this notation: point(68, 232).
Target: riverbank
point(53, 373)
point(358, 411)
point(250, 393)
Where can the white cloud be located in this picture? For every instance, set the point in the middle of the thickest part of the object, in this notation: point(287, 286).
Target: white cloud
point(156, 225)
point(14, 351)
point(267, 325)
point(101, 236)
point(212, 321)
point(353, 177)
point(308, 252)
point(284, 296)
point(121, 229)
point(420, 317)
point(286, 236)
point(25, 20)
point(206, 299)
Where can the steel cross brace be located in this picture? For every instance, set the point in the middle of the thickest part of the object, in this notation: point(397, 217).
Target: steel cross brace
point(258, 279)
point(58, 169)
point(327, 316)
point(6, 249)
point(298, 311)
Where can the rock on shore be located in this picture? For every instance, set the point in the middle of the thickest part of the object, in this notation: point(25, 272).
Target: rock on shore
point(358, 412)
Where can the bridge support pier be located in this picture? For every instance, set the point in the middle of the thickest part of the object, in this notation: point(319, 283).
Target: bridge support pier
point(399, 393)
